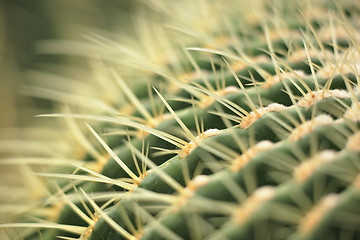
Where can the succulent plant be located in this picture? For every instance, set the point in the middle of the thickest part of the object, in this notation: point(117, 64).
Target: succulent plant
point(214, 120)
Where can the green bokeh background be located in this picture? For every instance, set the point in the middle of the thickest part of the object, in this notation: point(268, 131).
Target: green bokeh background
point(23, 23)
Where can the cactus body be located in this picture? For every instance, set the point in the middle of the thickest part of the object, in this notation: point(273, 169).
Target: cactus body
point(248, 129)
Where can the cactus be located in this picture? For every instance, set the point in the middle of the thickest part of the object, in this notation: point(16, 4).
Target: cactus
point(238, 122)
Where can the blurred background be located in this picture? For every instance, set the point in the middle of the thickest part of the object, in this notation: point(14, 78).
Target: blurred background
point(24, 23)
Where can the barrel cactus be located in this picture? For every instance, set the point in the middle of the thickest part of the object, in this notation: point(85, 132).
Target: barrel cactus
point(213, 120)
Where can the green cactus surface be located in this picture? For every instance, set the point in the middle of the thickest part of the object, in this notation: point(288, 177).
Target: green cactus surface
point(209, 120)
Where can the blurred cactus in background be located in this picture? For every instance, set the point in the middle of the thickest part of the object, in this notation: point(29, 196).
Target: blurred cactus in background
point(185, 120)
